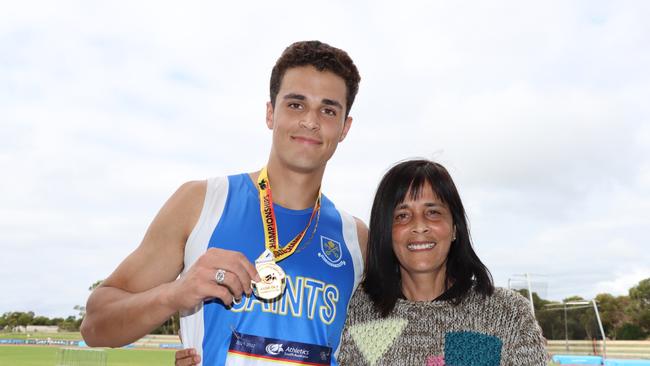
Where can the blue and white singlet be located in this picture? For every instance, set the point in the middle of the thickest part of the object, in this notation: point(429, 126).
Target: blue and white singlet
point(304, 325)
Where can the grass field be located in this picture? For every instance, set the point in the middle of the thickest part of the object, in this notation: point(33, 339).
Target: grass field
point(47, 356)
point(21, 355)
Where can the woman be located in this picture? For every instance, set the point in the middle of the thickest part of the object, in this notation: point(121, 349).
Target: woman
point(426, 298)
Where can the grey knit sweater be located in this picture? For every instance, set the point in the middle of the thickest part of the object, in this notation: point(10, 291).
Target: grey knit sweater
point(497, 330)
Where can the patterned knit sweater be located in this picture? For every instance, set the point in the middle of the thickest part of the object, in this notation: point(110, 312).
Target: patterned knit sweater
point(492, 331)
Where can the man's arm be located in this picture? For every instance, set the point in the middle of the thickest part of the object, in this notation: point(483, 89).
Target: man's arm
point(143, 292)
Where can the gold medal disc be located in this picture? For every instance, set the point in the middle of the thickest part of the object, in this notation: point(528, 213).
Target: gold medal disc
point(273, 281)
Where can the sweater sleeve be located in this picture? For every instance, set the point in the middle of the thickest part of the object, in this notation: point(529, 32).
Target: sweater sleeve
point(528, 346)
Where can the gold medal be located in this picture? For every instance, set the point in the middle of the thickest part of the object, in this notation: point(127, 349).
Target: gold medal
point(273, 278)
point(272, 284)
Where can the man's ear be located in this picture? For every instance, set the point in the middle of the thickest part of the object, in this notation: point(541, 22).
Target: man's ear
point(346, 127)
point(269, 115)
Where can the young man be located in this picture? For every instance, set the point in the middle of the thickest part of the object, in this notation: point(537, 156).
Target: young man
point(223, 233)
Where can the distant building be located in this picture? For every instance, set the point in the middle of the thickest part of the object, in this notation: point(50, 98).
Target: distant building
point(37, 329)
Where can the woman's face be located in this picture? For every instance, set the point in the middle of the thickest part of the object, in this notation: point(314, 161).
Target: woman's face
point(423, 230)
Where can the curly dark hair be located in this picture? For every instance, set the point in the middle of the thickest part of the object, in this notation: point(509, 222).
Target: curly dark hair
point(324, 58)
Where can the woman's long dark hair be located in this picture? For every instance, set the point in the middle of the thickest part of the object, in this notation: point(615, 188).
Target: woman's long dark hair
point(382, 281)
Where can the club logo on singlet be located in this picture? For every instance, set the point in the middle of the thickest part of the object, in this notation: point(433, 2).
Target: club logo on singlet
point(331, 252)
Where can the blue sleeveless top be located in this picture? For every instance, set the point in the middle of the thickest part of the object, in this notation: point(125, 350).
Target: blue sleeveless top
point(304, 325)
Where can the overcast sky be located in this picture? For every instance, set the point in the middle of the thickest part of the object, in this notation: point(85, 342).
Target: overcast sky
point(539, 110)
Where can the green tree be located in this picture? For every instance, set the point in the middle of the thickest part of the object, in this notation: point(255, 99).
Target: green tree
point(41, 320)
point(25, 319)
point(639, 308)
point(643, 320)
point(573, 298)
point(641, 292)
point(69, 324)
point(12, 319)
point(551, 320)
point(631, 332)
point(613, 313)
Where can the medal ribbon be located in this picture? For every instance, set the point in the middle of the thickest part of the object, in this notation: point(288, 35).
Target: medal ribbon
point(268, 220)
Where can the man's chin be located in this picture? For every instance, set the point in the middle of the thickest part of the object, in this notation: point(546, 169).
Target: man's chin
point(306, 166)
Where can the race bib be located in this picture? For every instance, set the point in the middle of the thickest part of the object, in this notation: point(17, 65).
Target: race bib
point(253, 350)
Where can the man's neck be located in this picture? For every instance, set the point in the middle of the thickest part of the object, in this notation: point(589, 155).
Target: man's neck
point(292, 189)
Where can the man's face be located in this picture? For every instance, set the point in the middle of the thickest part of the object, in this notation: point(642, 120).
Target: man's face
point(308, 120)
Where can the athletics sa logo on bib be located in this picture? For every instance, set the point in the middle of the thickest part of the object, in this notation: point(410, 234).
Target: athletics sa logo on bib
point(331, 252)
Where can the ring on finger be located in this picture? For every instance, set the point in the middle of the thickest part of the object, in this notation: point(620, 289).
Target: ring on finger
point(220, 276)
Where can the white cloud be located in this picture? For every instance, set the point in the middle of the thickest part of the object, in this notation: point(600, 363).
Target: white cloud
point(623, 281)
point(538, 110)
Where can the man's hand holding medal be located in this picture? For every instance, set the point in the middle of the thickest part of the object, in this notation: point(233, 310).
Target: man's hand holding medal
point(218, 274)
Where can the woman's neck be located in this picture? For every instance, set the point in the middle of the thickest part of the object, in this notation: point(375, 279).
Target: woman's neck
point(423, 286)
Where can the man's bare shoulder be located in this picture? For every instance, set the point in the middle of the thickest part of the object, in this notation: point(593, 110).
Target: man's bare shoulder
point(185, 205)
point(191, 193)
